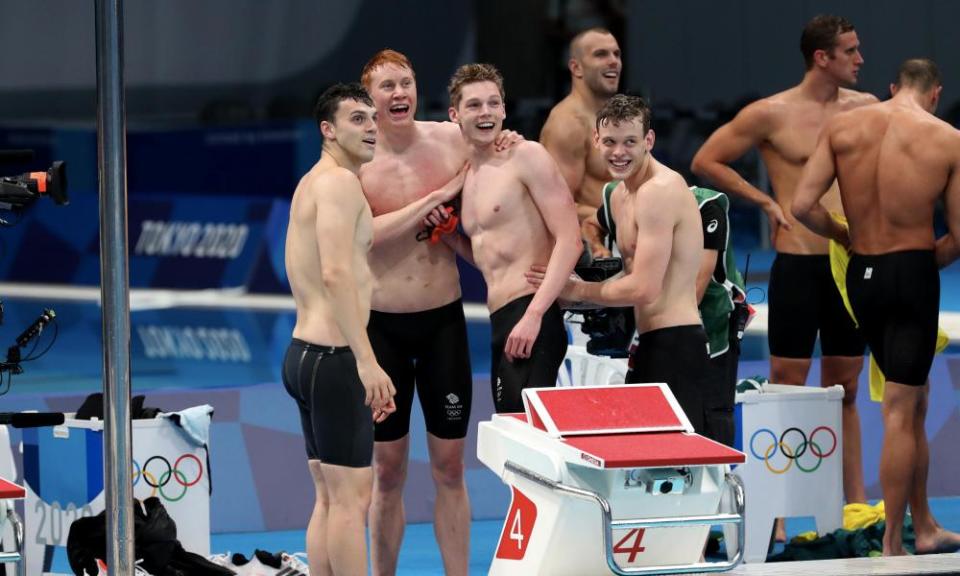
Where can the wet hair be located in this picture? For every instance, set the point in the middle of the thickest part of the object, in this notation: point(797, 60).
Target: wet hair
point(624, 108)
point(821, 34)
point(382, 58)
point(329, 102)
point(919, 73)
point(575, 50)
point(471, 74)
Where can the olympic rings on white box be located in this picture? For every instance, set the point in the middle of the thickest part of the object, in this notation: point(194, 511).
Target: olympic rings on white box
point(794, 453)
point(157, 483)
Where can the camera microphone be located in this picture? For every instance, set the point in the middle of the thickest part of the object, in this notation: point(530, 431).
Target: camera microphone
point(31, 419)
point(36, 328)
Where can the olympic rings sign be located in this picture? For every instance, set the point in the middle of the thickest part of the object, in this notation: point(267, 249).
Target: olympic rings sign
point(793, 452)
point(157, 482)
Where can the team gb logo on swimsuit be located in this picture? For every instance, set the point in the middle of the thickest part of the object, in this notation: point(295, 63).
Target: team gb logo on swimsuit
point(454, 407)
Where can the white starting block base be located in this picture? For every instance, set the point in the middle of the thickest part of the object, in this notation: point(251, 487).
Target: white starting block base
point(793, 440)
point(604, 480)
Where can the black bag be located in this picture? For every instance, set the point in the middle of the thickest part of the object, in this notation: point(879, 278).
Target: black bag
point(92, 407)
point(155, 543)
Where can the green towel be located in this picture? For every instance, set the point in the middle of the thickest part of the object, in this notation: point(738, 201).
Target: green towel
point(845, 544)
point(752, 383)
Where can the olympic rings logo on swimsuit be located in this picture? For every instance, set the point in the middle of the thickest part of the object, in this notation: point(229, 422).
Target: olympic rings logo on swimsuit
point(157, 483)
point(794, 453)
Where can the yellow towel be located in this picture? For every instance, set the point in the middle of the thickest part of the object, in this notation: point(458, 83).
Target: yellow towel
point(855, 517)
point(839, 259)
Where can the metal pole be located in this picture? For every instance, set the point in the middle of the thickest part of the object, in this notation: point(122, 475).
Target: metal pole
point(114, 287)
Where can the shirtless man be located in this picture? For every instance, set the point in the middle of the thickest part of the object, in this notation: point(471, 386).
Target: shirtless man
point(721, 299)
point(568, 133)
point(803, 297)
point(658, 231)
point(517, 211)
point(329, 368)
point(417, 326)
point(893, 162)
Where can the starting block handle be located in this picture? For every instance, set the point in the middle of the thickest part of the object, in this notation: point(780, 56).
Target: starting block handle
point(731, 482)
point(17, 556)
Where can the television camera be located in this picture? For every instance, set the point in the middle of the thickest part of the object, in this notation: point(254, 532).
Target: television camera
point(610, 329)
point(20, 191)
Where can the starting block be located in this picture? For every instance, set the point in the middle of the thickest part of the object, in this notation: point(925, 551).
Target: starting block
point(608, 479)
point(9, 492)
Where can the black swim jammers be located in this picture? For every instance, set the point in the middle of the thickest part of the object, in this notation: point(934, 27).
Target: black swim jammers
point(508, 379)
point(678, 357)
point(896, 299)
point(804, 301)
point(426, 350)
point(323, 380)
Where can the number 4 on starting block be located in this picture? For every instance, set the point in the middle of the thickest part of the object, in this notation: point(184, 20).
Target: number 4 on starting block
point(636, 548)
point(515, 536)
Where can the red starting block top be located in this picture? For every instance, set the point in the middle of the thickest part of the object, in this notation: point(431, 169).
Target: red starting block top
point(647, 449)
point(10, 490)
point(653, 450)
point(592, 410)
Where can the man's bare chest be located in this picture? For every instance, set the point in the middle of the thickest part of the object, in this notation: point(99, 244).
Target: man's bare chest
point(491, 198)
point(795, 135)
point(394, 182)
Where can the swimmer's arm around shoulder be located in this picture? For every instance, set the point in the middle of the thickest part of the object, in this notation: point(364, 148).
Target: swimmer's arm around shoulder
point(818, 175)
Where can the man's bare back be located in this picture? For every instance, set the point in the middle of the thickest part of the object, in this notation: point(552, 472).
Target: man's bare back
point(893, 164)
point(411, 275)
point(499, 216)
point(893, 161)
